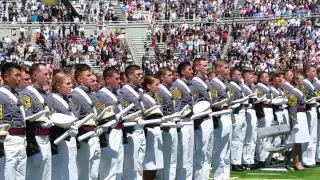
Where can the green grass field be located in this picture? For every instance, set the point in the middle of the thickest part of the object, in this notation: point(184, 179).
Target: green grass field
point(310, 174)
point(49, 1)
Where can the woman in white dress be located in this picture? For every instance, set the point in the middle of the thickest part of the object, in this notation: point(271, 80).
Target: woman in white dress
point(298, 119)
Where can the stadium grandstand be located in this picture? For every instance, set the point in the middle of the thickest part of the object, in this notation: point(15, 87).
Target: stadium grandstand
point(253, 35)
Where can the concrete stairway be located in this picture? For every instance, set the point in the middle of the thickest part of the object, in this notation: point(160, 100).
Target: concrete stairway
point(136, 37)
point(117, 8)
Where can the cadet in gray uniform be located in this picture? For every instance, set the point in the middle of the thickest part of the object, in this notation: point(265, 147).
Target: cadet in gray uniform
point(169, 134)
point(183, 95)
point(111, 164)
point(88, 158)
point(223, 123)
point(203, 128)
point(11, 106)
point(309, 149)
point(239, 121)
point(153, 159)
point(134, 138)
point(250, 141)
point(278, 112)
point(264, 114)
point(64, 155)
point(38, 130)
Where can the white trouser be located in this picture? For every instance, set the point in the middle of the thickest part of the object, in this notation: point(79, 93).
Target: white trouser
point(251, 137)
point(134, 152)
point(16, 158)
point(221, 148)
point(153, 159)
point(309, 149)
point(239, 127)
point(263, 144)
point(39, 165)
point(88, 159)
point(64, 164)
point(203, 144)
point(170, 147)
point(2, 164)
point(277, 141)
point(111, 162)
point(185, 149)
point(318, 141)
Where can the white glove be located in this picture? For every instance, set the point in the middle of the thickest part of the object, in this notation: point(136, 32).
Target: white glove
point(98, 131)
point(73, 132)
point(139, 123)
point(179, 125)
point(48, 124)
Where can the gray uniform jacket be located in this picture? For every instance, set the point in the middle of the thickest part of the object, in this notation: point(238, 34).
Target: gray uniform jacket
point(219, 90)
point(309, 89)
point(107, 97)
point(166, 100)
point(235, 91)
point(9, 110)
point(183, 94)
point(201, 89)
point(33, 105)
point(131, 94)
point(56, 106)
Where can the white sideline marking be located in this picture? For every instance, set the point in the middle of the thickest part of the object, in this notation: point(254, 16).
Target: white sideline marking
point(259, 174)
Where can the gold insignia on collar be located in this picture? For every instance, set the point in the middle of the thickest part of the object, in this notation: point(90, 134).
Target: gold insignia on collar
point(75, 106)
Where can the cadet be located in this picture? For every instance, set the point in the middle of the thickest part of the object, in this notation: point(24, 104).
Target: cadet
point(298, 119)
point(111, 164)
point(134, 138)
point(223, 123)
point(249, 146)
point(203, 128)
point(309, 149)
point(169, 134)
point(25, 77)
point(278, 112)
point(38, 130)
point(264, 114)
point(88, 157)
point(12, 113)
point(239, 121)
point(183, 96)
point(64, 159)
point(153, 159)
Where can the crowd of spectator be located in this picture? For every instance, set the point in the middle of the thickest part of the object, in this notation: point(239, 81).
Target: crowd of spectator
point(276, 45)
point(96, 11)
point(184, 43)
point(66, 45)
point(267, 8)
point(176, 10)
point(33, 11)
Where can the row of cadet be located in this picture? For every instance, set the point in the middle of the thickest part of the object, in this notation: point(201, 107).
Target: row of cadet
point(154, 127)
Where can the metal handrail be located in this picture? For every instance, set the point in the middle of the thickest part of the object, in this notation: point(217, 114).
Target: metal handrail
point(122, 23)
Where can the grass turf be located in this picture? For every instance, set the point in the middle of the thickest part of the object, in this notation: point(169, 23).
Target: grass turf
point(49, 1)
point(310, 174)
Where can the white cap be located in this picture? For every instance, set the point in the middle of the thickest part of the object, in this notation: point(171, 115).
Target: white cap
point(62, 120)
point(201, 106)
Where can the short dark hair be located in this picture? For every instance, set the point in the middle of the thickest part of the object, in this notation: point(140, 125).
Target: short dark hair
point(108, 72)
point(25, 68)
point(232, 71)
point(260, 74)
point(9, 67)
point(182, 66)
point(308, 68)
point(162, 72)
point(130, 69)
point(56, 71)
point(35, 67)
point(69, 68)
point(81, 68)
point(196, 63)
